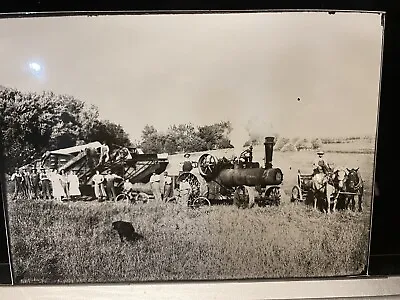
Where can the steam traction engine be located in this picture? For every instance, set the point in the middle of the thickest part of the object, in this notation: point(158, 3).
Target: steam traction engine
point(240, 180)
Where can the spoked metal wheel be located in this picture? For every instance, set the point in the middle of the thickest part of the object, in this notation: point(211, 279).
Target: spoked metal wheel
point(142, 197)
point(273, 195)
point(207, 164)
point(122, 197)
point(200, 202)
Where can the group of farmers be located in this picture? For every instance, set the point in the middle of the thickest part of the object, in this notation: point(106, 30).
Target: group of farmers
point(162, 187)
point(104, 186)
point(46, 184)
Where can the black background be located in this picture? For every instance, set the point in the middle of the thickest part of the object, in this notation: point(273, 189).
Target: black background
point(385, 240)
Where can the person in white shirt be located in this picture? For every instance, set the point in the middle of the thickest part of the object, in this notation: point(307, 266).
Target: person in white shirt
point(73, 185)
point(155, 186)
point(18, 178)
point(110, 188)
point(98, 182)
point(187, 164)
point(321, 164)
point(167, 187)
point(45, 183)
point(104, 154)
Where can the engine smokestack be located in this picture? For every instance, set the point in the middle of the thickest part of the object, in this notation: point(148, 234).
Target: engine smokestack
point(269, 149)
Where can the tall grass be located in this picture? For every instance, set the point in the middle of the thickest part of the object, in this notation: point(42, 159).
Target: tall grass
point(73, 243)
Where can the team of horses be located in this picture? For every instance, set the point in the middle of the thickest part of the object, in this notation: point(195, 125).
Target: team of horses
point(340, 184)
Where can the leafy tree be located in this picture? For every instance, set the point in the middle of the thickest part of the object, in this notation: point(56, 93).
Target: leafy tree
point(152, 141)
point(33, 123)
point(107, 132)
point(216, 136)
point(186, 138)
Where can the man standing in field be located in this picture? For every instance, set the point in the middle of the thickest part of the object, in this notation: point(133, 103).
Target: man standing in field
point(321, 164)
point(167, 187)
point(110, 188)
point(35, 183)
point(17, 178)
point(98, 185)
point(45, 180)
point(155, 186)
point(26, 184)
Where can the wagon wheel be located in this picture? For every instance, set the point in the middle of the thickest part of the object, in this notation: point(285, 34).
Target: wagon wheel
point(273, 194)
point(296, 194)
point(207, 164)
point(122, 197)
point(142, 197)
point(193, 182)
point(200, 201)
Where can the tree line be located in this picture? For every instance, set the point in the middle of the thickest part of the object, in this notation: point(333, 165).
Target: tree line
point(186, 138)
point(33, 123)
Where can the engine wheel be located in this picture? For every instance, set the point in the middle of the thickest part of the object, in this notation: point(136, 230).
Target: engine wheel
point(207, 164)
point(273, 195)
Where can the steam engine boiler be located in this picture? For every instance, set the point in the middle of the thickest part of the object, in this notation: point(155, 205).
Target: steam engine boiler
point(240, 179)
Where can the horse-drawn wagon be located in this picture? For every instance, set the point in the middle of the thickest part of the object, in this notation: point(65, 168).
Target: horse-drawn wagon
point(340, 184)
point(301, 189)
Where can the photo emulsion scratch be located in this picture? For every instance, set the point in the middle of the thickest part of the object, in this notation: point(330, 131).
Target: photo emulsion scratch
point(189, 146)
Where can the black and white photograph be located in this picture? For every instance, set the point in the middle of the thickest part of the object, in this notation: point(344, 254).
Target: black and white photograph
point(187, 147)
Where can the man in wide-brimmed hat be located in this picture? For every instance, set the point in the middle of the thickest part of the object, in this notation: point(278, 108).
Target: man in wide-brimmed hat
point(17, 178)
point(187, 164)
point(45, 183)
point(321, 164)
point(35, 179)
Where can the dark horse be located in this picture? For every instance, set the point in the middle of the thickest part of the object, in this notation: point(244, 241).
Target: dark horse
point(354, 185)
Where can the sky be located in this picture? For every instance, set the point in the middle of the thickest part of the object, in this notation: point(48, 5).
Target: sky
point(247, 68)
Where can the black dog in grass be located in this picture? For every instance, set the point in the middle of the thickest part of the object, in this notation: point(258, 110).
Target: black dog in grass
point(126, 230)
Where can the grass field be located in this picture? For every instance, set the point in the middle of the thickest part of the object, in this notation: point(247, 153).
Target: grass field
point(73, 242)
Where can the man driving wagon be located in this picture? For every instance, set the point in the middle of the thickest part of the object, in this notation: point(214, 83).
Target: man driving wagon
point(321, 165)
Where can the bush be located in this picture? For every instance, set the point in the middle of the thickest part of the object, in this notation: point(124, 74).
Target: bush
point(316, 143)
point(280, 143)
point(289, 147)
point(294, 140)
point(303, 144)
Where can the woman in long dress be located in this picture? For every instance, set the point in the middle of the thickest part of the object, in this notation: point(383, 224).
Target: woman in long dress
point(65, 183)
point(58, 191)
point(73, 185)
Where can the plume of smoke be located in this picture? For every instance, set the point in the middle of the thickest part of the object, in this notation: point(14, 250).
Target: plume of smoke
point(251, 129)
point(238, 136)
